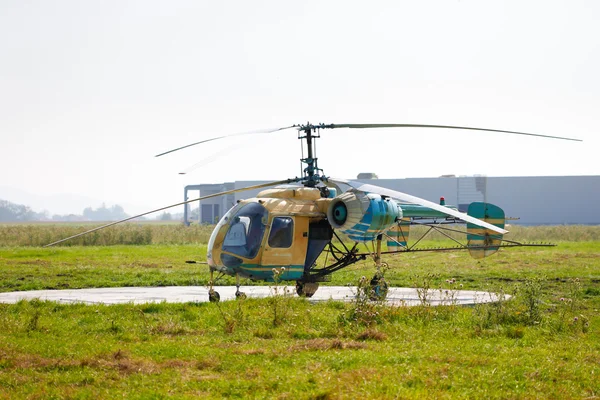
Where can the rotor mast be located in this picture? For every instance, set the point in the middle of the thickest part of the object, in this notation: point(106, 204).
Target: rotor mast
point(309, 132)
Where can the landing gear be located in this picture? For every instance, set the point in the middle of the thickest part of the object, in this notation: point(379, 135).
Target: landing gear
point(238, 295)
point(213, 296)
point(306, 289)
point(379, 286)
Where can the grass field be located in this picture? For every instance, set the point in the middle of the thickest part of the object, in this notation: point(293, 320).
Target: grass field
point(542, 343)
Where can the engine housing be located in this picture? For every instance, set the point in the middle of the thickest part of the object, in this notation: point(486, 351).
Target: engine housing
point(363, 216)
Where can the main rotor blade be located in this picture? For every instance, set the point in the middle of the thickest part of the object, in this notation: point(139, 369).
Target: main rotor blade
point(173, 205)
point(224, 136)
point(363, 187)
point(209, 159)
point(365, 126)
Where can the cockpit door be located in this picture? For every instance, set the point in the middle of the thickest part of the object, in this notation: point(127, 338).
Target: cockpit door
point(286, 242)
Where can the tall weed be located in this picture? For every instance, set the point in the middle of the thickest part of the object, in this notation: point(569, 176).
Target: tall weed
point(280, 298)
point(363, 309)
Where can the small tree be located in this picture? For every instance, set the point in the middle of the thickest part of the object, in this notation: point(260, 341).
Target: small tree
point(166, 217)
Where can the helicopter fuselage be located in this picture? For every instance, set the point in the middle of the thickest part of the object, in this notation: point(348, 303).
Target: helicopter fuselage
point(271, 231)
point(280, 233)
point(287, 228)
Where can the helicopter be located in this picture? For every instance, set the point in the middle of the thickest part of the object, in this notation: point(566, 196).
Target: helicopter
point(282, 232)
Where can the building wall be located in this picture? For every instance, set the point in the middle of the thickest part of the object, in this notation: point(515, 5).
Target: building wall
point(547, 200)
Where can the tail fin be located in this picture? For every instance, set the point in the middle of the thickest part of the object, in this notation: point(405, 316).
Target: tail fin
point(398, 235)
point(485, 242)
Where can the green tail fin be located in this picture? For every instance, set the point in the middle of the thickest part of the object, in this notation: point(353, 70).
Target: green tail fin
point(484, 242)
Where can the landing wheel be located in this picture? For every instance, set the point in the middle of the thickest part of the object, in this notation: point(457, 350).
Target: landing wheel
point(213, 296)
point(240, 295)
point(306, 289)
point(379, 288)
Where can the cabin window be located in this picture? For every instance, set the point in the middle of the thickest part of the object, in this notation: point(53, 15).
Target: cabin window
point(246, 231)
point(282, 232)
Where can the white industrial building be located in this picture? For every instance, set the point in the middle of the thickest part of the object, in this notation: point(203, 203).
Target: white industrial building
point(535, 200)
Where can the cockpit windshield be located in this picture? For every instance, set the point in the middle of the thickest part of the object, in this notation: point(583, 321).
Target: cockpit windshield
point(246, 230)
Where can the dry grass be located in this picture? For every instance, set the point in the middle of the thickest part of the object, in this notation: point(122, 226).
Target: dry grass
point(125, 234)
point(372, 334)
point(119, 361)
point(327, 344)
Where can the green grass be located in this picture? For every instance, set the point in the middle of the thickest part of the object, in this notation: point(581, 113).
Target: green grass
point(543, 343)
point(31, 268)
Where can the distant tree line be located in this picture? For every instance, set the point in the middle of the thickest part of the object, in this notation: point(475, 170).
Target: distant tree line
point(12, 212)
point(104, 213)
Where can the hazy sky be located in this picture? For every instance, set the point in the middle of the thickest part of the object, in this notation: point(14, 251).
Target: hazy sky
point(91, 91)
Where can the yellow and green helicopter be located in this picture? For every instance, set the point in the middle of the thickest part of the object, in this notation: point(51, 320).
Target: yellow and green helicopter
point(282, 232)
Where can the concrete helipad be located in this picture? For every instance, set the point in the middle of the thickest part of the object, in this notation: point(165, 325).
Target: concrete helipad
point(183, 294)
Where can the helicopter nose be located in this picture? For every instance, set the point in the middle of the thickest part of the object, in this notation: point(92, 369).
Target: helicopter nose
point(209, 259)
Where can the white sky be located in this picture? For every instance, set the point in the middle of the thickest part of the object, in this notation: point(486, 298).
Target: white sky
point(91, 91)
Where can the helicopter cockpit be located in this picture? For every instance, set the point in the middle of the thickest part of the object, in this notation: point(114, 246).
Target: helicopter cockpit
point(246, 231)
point(245, 226)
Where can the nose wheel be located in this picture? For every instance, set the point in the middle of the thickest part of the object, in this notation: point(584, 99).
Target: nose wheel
point(238, 295)
point(213, 295)
point(306, 289)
